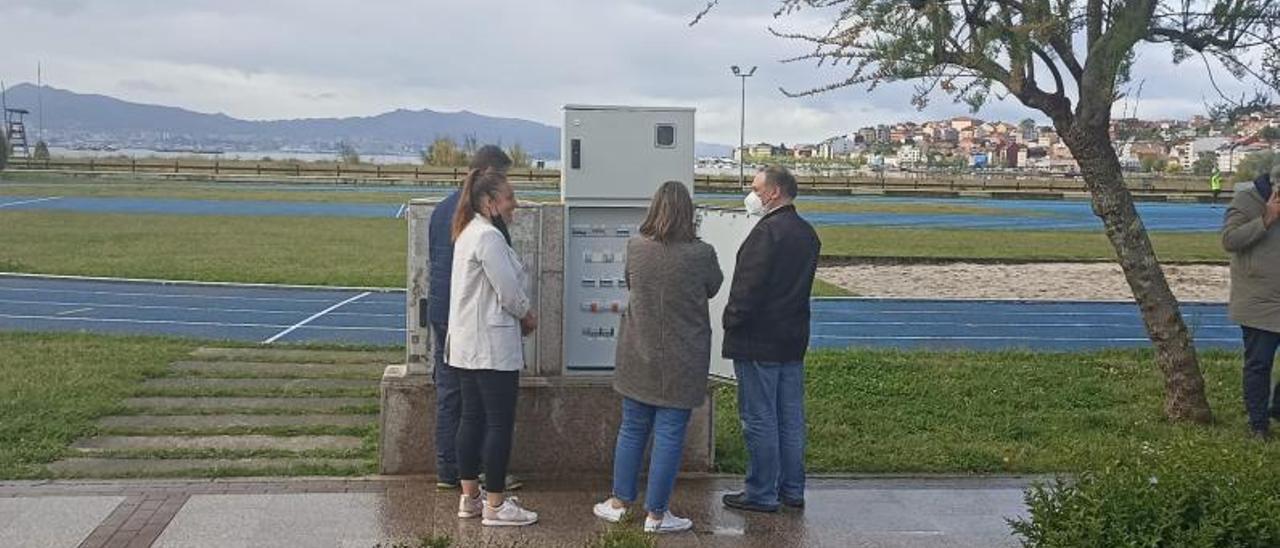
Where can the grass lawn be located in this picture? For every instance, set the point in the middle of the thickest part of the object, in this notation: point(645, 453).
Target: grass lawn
point(56, 185)
point(826, 289)
point(962, 412)
point(53, 386)
point(371, 252)
point(868, 410)
point(290, 250)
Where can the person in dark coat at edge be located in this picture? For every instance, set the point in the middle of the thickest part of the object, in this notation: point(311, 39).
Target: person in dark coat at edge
point(1255, 292)
point(766, 334)
point(448, 389)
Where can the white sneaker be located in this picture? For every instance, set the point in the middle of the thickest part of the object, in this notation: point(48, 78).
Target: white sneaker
point(607, 512)
point(510, 514)
point(670, 523)
point(471, 507)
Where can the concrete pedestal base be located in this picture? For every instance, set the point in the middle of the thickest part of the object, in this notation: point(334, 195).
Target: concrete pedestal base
point(407, 420)
point(564, 425)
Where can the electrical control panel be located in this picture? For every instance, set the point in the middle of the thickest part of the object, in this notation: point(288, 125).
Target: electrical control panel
point(613, 160)
point(595, 282)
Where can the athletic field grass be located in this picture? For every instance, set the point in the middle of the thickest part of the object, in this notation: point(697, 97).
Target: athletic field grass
point(371, 252)
point(869, 411)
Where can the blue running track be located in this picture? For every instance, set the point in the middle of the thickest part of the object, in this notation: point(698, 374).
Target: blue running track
point(285, 315)
point(1021, 214)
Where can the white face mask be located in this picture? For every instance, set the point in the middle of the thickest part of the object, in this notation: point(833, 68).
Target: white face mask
point(755, 206)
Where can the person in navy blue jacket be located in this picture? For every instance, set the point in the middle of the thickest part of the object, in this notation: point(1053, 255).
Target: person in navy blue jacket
point(448, 390)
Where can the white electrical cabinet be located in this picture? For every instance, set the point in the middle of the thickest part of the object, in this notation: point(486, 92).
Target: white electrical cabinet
point(623, 154)
point(725, 230)
point(595, 282)
point(613, 160)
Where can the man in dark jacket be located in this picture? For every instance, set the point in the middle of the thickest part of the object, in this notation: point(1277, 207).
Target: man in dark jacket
point(766, 334)
point(448, 391)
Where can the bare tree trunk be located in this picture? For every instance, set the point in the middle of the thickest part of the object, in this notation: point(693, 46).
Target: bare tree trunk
point(1185, 399)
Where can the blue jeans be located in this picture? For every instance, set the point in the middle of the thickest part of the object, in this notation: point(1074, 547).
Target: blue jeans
point(667, 426)
point(1259, 356)
point(448, 407)
point(771, 406)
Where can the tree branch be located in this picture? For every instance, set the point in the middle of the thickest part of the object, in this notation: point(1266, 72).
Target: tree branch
point(1060, 89)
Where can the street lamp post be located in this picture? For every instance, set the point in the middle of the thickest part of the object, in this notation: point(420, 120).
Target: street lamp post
point(742, 125)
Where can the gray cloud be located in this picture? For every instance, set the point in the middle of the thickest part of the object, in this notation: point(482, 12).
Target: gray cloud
point(145, 86)
point(499, 57)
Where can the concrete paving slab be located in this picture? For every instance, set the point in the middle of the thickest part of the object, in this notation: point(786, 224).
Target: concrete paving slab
point(296, 355)
point(228, 369)
point(51, 522)
point(115, 468)
point(153, 443)
point(331, 405)
point(337, 519)
point(187, 385)
point(144, 423)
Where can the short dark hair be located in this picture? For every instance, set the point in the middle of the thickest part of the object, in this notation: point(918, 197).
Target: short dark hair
point(490, 157)
point(779, 177)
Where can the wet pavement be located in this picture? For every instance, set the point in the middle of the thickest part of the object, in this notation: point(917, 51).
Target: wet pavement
point(912, 512)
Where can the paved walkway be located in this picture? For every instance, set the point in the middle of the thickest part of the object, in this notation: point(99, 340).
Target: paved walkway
point(367, 512)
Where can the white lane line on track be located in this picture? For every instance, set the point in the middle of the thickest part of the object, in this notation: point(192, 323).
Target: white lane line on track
point(996, 338)
point(204, 324)
point(31, 201)
point(1015, 325)
point(78, 310)
point(1133, 313)
point(401, 210)
point(192, 283)
point(193, 308)
point(277, 336)
point(160, 295)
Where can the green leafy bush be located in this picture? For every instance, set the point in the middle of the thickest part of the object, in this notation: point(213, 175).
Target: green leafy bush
point(1180, 496)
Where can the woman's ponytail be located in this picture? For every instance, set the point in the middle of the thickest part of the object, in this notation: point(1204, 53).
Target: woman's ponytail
point(477, 184)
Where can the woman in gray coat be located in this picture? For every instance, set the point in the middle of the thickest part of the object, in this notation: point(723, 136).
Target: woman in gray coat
point(663, 354)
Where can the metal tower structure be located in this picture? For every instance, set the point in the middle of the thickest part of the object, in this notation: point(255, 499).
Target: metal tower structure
point(16, 132)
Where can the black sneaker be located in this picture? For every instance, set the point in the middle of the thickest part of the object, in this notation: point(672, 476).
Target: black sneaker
point(1261, 434)
point(447, 485)
point(738, 501)
point(798, 504)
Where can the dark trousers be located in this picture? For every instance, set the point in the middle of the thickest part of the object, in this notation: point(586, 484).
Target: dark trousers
point(1259, 355)
point(488, 421)
point(448, 406)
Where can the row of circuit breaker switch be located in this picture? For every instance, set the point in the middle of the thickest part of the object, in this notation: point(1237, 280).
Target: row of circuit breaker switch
point(616, 307)
point(599, 332)
point(605, 283)
point(601, 231)
point(590, 257)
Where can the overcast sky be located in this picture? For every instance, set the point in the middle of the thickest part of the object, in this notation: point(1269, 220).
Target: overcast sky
point(518, 58)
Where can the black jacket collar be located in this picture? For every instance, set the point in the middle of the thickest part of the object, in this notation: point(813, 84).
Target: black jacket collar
point(789, 207)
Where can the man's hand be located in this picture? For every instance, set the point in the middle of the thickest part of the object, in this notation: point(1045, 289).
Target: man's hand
point(528, 323)
point(1273, 209)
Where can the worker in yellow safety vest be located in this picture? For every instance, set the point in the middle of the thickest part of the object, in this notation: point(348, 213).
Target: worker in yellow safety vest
point(1215, 184)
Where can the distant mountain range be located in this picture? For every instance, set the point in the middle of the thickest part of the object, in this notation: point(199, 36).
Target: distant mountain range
point(74, 117)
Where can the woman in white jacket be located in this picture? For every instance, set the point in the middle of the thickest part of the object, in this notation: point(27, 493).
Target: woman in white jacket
point(489, 311)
